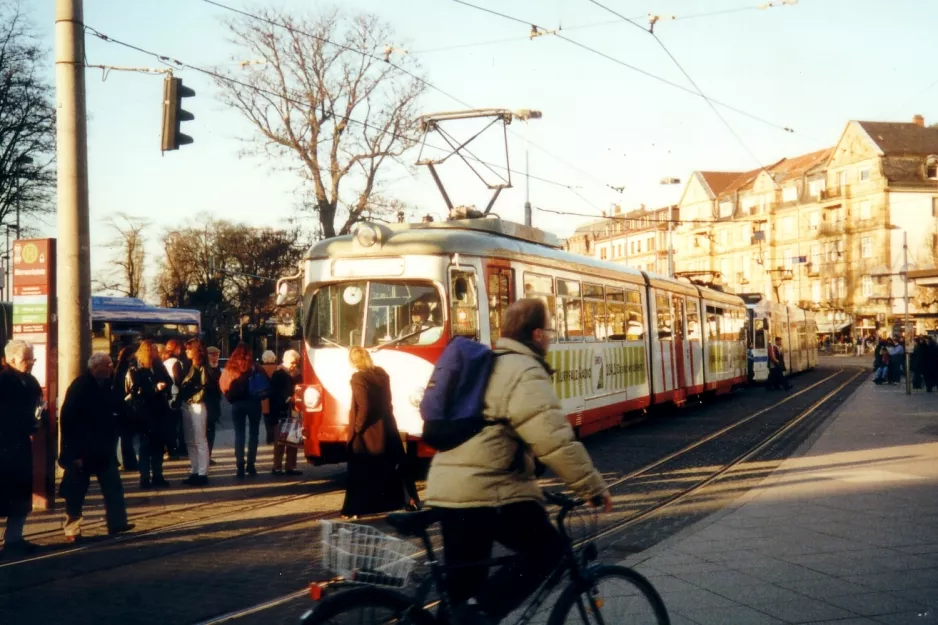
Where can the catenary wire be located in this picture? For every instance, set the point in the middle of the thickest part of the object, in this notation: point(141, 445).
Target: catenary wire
point(422, 80)
point(217, 76)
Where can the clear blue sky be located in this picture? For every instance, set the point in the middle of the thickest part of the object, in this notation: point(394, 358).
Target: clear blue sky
point(811, 67)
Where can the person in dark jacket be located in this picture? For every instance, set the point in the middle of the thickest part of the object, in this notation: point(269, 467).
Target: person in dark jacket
point(176, 368)
point(375, 451)
point(125, 428)
point(245, 406)
point(21, 402)
point(148, 387)
point(930, 363)
point(89, 432)
point(282, 383)
point(212, 398)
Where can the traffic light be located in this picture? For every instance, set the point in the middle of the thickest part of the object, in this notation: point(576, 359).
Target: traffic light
point(173, 113)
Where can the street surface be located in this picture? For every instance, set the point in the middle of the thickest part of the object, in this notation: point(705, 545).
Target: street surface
point(198, 554)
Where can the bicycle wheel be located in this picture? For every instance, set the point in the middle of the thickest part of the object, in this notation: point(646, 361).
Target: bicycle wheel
point(612, 595)
point(367, 605)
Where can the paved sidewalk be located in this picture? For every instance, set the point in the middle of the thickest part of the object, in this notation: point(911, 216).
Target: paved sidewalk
point(844, 532)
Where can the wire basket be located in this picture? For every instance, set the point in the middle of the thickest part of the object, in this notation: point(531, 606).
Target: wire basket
point(363, 554)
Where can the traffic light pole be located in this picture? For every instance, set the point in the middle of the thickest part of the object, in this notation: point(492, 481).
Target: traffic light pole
point(73, 244)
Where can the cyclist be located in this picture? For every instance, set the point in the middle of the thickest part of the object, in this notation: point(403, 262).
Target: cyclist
point(487, 490)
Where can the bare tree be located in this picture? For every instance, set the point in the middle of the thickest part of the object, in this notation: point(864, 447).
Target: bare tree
point(127, 256)
point(340, 110)
point(27, 120)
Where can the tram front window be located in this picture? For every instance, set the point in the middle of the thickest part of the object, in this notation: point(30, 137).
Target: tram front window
point(761, 327)
point(374, 313)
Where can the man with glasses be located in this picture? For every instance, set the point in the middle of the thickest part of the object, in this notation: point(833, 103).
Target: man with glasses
point(486, 489)
point(20, 406)
point(89, 433)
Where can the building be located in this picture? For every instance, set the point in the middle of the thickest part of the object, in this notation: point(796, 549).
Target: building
point(638, 238)
point(823, 230)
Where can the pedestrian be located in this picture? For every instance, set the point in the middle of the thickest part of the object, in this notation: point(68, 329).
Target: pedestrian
point(930, 364)
point(125, 430)
point(376, 456)
point(777, 367)
point(192, 391)
point(21, 401)
point(486, 489)
point(212, 399)
point(896, 358)
point(148, 388)
point(283, 381)
point(269, 365)
point(243, 383)
point(172, 360)
point(89, 433)
point(917, 362)
point(750, 365)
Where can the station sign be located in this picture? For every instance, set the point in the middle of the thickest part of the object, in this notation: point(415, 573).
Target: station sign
point(34, 321)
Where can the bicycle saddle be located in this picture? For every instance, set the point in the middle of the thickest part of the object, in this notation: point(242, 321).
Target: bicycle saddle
point(412, 523)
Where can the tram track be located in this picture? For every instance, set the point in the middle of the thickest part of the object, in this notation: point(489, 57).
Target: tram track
point(634, 518)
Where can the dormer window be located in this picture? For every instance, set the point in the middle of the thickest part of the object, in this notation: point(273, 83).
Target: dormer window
point(931, 168)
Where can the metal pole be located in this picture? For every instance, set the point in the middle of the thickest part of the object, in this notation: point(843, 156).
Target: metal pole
point(527, 187)
point(670, 245)
point(74, 271)
point(908, 334)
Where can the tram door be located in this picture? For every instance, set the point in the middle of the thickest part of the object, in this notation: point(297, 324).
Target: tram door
point(680, 353)
point(500, 291)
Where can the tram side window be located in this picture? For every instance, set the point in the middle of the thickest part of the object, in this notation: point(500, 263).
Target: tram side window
point(465, 303)
point(744, 331)
point(714, 323)
point(635, 329)
point(761, 328)
point(499, 295)
point(617, 316)
point(594, 312)
point(569, 311)
point(542, 288)
point(663, 306)
point(693, 321)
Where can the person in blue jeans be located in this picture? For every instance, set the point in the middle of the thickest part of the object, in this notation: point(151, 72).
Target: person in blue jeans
point(245, 406)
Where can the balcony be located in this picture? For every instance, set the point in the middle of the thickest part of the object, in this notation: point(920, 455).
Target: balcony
point(835, 192)
point(813, 269)
point(830, 228)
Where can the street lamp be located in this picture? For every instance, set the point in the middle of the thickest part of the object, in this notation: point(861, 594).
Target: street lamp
point(668, 181)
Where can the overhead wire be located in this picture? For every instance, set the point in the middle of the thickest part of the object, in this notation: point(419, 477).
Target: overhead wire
point(697, 88)
point(396, 66)
point(182, 64)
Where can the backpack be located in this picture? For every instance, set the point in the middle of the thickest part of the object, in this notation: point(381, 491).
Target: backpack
point(259, 385)
point(454, 399)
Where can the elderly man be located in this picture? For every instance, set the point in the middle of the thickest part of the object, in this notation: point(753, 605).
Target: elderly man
point(89, 437)
point(282, 383)
point(21, 402)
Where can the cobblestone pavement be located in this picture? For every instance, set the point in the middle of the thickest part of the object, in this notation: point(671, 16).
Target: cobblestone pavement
point(254, 542)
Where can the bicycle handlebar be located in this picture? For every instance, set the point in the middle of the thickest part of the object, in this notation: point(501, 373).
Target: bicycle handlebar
point(563, 501)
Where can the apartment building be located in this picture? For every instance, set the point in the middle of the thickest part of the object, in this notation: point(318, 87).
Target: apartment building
point(637, 238)
point(823, 230)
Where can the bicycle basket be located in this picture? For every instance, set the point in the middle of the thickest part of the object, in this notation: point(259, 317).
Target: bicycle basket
point(363, 554)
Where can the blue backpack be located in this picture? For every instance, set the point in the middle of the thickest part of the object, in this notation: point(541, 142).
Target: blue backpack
point(259, 385)
point(454, 399)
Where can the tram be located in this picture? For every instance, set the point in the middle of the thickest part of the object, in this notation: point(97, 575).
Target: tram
point(795, 326)
point(627, 340)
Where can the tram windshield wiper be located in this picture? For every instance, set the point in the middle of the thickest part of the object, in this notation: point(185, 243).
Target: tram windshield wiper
point(402, 338)
point(330, 342)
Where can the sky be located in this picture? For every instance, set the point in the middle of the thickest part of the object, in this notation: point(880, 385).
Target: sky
point(809, 67)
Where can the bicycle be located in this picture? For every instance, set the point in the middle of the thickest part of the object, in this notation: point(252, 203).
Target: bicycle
point(370, 592)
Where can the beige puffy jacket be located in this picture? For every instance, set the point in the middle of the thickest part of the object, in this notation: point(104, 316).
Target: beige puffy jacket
point(485, 470)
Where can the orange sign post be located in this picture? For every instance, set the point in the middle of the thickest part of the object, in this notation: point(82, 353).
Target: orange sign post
point(34, 320)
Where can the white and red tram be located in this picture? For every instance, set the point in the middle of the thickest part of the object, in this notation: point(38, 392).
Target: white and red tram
point(626, 340)
point(795, 326)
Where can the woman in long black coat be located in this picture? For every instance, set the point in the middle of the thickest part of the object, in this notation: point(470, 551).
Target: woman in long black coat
point(20, 400)
point(376, 456)
point(147, 387)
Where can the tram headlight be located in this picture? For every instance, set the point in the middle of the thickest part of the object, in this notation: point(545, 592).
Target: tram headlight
point(366, 235)
point(312, 398)
point(416, 396)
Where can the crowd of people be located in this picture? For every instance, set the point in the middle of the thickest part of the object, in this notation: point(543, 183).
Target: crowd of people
point(889, 362)
point(156, 402)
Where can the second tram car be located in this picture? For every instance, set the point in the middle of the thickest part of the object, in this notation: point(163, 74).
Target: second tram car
point(626, 340)
point(795, 326)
